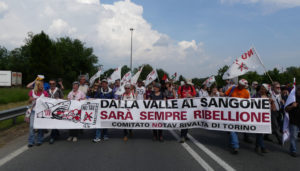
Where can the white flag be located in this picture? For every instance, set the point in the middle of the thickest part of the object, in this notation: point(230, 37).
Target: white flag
point(209, 81)
point(247, 62)
point(291, 99)
point(151, 77)
point(115, 75)
point(94, 77)
point(126, 78)
point(121, 90)
point(135, 78)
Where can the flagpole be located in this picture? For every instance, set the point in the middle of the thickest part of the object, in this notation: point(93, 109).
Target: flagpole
point(262, 63)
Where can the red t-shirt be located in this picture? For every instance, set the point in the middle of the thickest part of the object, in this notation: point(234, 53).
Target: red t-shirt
point(186, 90)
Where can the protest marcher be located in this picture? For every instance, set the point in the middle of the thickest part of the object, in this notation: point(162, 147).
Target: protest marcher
point(140, 93)
point(157, 95)
point(284, 93)
point(128, 95)
point(60, 84)
point(186, 91)
point(148, 91)
point(262, 92)
point(38, 78)
point(253, 88)
point(203, 91)
point(241, 92)
point(34, 94)
point(83, 87)
point(294, 124)
point(115, 89)
point(104, 93)
point(92, 91)
point(215, 92)
point(228, 85)
point(276, 113)
point(75, 94)
point(170, 92)
point(55, 93)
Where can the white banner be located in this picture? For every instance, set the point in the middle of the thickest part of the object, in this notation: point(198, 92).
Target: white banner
point(213, 113)
point(151, 77)
point(249, 61)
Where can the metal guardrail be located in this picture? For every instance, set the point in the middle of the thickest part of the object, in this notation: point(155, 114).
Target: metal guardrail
point(13, 113)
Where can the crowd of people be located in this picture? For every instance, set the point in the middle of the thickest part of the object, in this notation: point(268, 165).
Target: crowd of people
point(165, 90)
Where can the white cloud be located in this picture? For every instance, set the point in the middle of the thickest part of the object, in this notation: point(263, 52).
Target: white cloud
point(3, 7)
point(105, 27)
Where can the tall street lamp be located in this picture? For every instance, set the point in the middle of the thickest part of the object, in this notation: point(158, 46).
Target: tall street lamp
point(131, 30)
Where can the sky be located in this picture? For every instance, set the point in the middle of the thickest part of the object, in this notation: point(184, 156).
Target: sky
point(193, 38)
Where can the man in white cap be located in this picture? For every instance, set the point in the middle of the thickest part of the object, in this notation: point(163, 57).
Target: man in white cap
point(241, 92)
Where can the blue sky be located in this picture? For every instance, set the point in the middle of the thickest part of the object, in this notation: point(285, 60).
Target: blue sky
point(228, 29)
point(193, 37)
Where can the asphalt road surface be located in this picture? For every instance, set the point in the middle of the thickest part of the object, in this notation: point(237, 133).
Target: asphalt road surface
point(206, 150)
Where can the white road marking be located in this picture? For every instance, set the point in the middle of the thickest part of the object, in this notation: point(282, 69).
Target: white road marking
point(13, 155)
point(193, 153)
point(211, 154)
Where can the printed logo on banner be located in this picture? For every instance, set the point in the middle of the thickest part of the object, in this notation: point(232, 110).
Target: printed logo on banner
point(88, 114)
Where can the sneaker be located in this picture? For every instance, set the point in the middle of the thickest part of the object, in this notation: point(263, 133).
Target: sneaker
point(69, 139)
point(105, 138)
point(51, 141)
point(38, 144)
point(182, 140)
point(29, 145)
point(96, 140)
point(125, 138)
point(294, 154)
point(75, 139)
point(235, 150)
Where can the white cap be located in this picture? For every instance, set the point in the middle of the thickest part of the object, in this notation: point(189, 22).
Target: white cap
point(243, 82)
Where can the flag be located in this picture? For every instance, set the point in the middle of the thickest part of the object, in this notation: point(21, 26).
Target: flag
point(209, 81)
point(135, 78)
point(151, 77)
point(174, 76)
point(121, 90)
point(115, 75)
point(94, 77)
point(126, 78)
point(164, 77)
point(247, 62)
point(291, 99)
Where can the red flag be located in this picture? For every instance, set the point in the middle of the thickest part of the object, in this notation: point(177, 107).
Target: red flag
point(164, 77)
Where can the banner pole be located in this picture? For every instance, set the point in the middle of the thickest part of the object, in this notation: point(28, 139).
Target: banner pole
point(262, 63)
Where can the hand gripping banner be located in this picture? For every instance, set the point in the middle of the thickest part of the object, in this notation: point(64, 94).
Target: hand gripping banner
point(212, 113)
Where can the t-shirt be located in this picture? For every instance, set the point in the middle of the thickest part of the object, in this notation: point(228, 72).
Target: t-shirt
point(128, 96)
point(78, 95)
point(203, 93)
point(183, 91)
point(155, 97)
point(294, 115)
point(240, 93)
point(37, 95)
point(56, 93)
point(140, 91)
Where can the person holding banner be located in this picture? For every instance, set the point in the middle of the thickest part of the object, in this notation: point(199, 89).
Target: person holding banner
point(186, 91)
point(262, 92)
point(203, 91)
point(104, 93)
point(34, 94)
point(140, 93)
point(294, 124)
point(170, 91)
point(157, 95)
point(128, 95)
point(54, 93)
point(75, 94)
point(115, 89)
point(241, 92)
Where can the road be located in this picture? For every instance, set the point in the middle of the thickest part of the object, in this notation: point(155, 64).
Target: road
point(207, 150)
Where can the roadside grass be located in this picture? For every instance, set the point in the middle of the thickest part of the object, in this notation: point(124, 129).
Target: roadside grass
point(9, 122)
point(12, 95)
